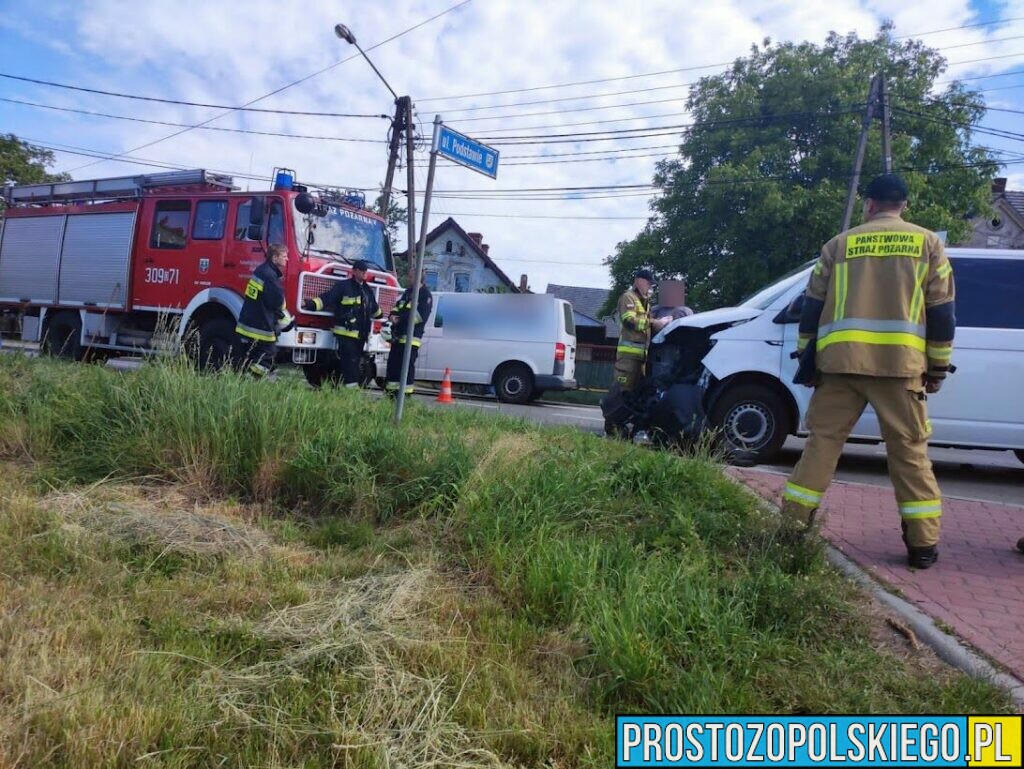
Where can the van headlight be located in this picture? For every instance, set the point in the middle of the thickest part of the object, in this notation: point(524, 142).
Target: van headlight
point(306, 338)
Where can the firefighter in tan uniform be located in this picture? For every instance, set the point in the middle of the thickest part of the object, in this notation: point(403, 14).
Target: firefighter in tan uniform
point(635, 334)
point(879, 313)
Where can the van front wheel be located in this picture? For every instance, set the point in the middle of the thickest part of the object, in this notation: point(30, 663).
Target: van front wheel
point(513, 383)
point(752, 421)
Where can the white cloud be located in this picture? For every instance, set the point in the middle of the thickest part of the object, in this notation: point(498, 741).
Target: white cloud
point(221, 53)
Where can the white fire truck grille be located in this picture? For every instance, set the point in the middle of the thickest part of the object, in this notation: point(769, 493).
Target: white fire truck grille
point(313, 284)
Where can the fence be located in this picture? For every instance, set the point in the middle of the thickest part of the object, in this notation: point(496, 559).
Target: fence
point(595, 366)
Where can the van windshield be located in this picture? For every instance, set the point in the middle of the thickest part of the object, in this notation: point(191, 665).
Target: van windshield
point(764, 297)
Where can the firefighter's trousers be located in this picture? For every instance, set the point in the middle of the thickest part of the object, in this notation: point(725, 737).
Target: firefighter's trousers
point(835, 407)
point(628, 371)
point(394, 369)
point(255, 357)
point(350, 356)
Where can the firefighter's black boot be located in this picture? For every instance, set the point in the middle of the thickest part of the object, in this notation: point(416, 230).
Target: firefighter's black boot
point(922, 557)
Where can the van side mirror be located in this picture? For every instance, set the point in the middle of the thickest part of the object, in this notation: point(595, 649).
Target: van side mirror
point(439, 321)
point(792, 313)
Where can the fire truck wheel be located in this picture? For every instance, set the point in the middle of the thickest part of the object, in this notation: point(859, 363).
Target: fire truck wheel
point(63, 338)
point(367, 372)
point(216, 339)
point(319, 374)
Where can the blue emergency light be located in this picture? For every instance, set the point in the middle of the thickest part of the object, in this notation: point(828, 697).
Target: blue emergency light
point(284, 179)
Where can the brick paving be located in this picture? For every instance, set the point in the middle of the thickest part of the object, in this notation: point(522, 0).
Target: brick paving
point(977, 587)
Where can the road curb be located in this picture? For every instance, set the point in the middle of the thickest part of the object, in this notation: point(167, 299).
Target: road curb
point(949, 648)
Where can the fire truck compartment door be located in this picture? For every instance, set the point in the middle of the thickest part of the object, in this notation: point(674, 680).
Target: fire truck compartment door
point(95, 258)
point(29, 255)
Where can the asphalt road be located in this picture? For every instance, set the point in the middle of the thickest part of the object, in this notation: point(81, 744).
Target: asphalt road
point(993, 476)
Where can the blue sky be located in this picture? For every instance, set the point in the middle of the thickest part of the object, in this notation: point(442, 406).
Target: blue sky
point(224, 53)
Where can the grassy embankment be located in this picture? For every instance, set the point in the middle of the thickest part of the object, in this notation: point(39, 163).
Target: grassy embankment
point(208, 571)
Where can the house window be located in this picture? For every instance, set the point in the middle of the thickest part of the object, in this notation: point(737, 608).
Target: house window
point(462, 283)
point(430, 279)
point(448, 247)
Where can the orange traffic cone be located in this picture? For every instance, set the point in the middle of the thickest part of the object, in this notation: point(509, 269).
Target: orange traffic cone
point(445, 395)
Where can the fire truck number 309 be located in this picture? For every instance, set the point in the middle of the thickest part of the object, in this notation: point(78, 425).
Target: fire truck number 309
point(162, 275)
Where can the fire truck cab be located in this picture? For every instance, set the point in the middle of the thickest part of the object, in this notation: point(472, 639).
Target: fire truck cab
point(148, 263)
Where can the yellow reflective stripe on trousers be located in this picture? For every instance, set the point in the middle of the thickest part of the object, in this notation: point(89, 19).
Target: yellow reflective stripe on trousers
point(631, 348)
point(346, 332)
point(917, 303)
point(929, 508)
point(801, 495)
point(349, 300)
point(842, 278)
point(256, 334)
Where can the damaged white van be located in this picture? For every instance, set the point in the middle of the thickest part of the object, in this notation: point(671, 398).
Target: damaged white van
point(741, 357)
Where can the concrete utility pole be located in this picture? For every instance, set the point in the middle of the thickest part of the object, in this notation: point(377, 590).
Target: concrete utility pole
point(397, 132)
point(877, 107)
point(411, 192)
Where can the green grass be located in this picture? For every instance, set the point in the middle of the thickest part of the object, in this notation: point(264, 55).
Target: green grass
point(557, 578)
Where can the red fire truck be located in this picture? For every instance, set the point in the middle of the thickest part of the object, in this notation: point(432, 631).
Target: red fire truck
point(146, 263)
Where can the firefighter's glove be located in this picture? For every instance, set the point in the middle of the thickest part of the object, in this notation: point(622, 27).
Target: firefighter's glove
point(932, 384)
point(308, 306)
point(289, 327)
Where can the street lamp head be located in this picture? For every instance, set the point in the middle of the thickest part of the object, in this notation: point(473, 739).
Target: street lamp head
point(345, 34)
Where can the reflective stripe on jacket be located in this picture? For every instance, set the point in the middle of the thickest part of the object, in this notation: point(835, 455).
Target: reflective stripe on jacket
point(354, 308)
point(885, 295)
point(264, 311)
point(402, 308)
point(635, 323)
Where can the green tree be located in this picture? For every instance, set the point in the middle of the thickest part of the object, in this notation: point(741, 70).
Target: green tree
point(24, 163)
point(761, 177)
point(395, 217)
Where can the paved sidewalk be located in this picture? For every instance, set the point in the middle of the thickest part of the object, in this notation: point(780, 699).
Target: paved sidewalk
point(977, 587)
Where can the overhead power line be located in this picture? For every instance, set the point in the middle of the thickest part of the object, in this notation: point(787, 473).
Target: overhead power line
point(71, 149)
point(288, 85)
point(682, 69)
point(137, 97)
point(187, 125)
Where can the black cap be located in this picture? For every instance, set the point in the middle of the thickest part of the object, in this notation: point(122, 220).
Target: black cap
point(888, 188)
point(360, 264)
point(645, 274)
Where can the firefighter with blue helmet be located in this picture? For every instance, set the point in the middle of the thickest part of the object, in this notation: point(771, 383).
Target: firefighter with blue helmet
point(264, 314)
point(880, 314)
point(355, 308)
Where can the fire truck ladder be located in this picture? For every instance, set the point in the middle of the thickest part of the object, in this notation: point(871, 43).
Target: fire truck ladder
point(114, 187)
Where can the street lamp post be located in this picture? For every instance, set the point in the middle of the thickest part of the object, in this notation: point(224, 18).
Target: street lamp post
point(403, 121)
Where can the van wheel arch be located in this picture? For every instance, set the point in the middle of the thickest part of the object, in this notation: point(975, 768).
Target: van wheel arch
point(752, 384)
point(513, 382)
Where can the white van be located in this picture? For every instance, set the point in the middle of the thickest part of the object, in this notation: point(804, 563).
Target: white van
point(521, 344)
point(742, 356)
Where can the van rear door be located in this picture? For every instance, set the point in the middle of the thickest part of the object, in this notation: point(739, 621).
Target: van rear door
point(567, 337)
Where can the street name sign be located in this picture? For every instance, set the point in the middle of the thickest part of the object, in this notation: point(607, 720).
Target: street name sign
point(467, 152)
